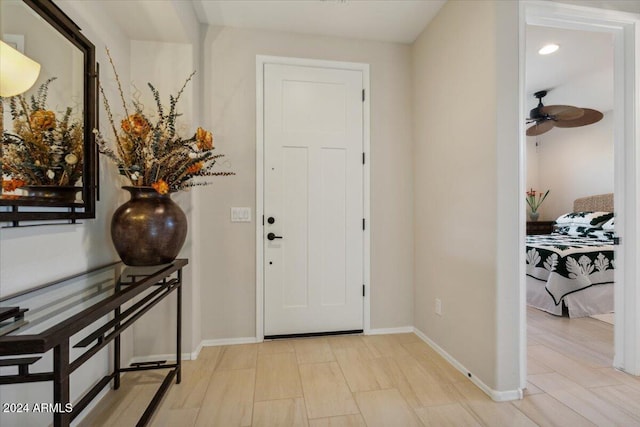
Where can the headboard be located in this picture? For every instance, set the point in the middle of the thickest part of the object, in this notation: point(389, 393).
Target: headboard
point(599, 203)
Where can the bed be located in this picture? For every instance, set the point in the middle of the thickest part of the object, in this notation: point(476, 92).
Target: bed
point(573, 268)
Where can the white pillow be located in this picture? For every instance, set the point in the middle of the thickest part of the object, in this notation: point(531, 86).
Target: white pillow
point(593, 219)
point(609, 225)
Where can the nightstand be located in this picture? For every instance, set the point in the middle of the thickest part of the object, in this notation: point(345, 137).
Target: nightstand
point(540, 227)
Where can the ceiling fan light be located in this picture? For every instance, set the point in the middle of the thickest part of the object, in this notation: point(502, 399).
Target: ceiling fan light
point(549, 48)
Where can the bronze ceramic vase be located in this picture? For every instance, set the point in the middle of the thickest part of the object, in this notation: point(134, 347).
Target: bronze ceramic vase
point(149, 229)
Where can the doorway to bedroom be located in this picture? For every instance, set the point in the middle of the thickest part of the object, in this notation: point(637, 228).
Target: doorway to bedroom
point(570, 179)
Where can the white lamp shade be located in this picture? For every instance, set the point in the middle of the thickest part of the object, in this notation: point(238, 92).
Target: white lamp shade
point(17, 72)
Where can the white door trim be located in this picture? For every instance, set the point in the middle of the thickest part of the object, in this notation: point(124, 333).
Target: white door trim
point(625, 28)
point(261, 60)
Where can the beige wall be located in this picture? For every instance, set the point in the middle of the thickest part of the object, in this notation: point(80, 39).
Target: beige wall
point(227, 250)
point(572, 163)
point(167, 66)
point(455, 182)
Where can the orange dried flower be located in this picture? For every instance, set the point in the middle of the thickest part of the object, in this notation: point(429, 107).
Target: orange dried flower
point(42, 120)
point(161, 186)
point(204, 139)
point(150, 150)
point(194, 168)
point(136, 124)
point(11, 184)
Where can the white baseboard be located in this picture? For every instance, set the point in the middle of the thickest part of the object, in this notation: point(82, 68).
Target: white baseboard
point(228, 341)
point(194, 355)
point(498, 396)
point(384, 331)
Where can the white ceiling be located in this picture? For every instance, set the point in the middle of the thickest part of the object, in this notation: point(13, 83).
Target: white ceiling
point(399, 21)
point(632, 6)
point(580, 73)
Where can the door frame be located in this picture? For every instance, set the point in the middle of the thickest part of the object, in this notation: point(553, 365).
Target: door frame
point(625, 28)
point(261, 61)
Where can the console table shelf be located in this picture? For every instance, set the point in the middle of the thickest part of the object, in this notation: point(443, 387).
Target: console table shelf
point(51, 314)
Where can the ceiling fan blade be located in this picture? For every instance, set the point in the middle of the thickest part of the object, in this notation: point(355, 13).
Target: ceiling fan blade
point(562, 112)
point(540, 127)
point(590, 116)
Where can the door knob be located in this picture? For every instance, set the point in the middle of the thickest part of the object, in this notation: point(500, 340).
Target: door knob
point(272, 236)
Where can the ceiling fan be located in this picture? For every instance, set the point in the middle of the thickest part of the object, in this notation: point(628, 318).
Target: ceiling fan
point(563, 116)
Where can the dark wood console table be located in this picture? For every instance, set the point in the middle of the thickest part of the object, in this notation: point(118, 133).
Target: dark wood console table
point(90, 305)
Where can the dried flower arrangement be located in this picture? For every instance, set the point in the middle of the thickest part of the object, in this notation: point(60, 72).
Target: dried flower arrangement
point(152, 154)
point(43, 149)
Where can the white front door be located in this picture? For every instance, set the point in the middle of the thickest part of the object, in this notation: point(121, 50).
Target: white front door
point(313, 199)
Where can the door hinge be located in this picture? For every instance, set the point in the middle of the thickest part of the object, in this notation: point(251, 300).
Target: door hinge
point(363, 224)
point(262, 219)
point(362, 95)
point(363, 157)
point(362, 290)
point(616, 240)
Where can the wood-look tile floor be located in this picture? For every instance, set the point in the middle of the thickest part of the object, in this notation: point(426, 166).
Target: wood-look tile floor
point(385, 380)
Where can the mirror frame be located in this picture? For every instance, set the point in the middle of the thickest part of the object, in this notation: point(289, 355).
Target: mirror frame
point(53, 15)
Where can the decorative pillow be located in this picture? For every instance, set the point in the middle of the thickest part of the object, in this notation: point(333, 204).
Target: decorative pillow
point(593, 219)
point(609, 225)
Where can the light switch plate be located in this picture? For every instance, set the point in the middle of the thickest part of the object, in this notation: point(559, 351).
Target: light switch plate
point(240, 214)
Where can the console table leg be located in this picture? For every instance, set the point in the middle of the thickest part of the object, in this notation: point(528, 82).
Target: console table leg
point(116, 355)
point(179, 329)
point(61, 418)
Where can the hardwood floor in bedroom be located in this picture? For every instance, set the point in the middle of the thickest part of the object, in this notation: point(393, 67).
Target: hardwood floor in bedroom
point(385, 380)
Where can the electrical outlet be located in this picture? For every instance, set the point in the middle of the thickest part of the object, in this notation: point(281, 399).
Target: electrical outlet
point(438, 307)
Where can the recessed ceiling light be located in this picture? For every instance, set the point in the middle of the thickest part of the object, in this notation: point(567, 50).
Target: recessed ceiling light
point(547, 49)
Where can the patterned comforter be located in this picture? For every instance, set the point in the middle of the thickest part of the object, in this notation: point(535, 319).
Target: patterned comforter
point(569, 264)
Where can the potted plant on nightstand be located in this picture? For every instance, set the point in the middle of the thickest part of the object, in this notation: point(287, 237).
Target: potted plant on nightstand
point(534, 200)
